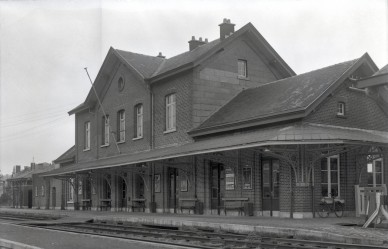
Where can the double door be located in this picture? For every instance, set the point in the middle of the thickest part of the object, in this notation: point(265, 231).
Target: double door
point(270, 185)
point(217, 186)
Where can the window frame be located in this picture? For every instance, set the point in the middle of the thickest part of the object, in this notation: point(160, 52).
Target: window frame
point(170, 113)
point(105, 130)
point(87, 136)
point(374, 173)
point(138, 121)
point(242, 68)
point(249, 168)
point(341, 109)
point(121, 126)
point(329, 179)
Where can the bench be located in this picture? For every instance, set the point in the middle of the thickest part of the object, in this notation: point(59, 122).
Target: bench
point(235, 204)
point(105, 204)
point(86, 204)
point(188, 203)
point(138, 204)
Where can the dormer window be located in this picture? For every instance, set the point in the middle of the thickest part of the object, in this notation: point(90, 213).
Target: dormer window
point(341, 109)
point(242, 68)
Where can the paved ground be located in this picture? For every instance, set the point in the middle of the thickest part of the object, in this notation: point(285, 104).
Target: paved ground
point(318, 228)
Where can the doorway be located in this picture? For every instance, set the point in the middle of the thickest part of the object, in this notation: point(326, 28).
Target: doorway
point(217, 186)
point(270, 185)
point(29, 198)
point(172, 189)
point(54, 197)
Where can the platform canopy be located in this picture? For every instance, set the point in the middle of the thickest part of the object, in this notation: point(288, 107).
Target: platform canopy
point(296, 133)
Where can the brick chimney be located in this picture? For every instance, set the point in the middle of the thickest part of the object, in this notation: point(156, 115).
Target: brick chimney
point(226, 29)
point(193, 43)
point(160, 55)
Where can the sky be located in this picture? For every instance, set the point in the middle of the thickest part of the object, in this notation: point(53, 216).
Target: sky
point(45, 46)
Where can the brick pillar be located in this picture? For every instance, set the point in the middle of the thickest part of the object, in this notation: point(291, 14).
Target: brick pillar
point(47, 189)
point(114, 194)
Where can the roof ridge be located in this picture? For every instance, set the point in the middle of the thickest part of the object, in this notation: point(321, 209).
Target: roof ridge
point(153, 56)
point(302, 74)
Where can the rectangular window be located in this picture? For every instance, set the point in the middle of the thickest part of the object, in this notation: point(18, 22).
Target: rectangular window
point(139, 121)
point(330, 176)
point(247, 177)
point(341, 109)
point(229, 179)
point(87, 136)
point(121, 126)
point(242, 68)
point(170, 112)
point(375, 173)
point(105, 134)
point(42, 191)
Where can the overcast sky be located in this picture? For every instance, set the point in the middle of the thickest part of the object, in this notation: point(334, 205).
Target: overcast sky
point(44, 47)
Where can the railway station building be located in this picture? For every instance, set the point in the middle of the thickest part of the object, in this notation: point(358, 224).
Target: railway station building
point(226, 128)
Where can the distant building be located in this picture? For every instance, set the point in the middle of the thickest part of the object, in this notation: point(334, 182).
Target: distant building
point(21, 184)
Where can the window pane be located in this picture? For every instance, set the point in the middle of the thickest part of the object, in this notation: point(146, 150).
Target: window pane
point(334, 190)
point(378, 166)
point(370, 168)
point(333, 163)
point(379, 178)
point(370, 179)
point(334, 176)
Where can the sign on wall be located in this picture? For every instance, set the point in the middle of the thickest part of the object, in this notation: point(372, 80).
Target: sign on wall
point(229, 178)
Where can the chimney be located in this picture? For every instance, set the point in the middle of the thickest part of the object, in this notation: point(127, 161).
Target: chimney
point(32, 166)
point(226, 29)
point(17, 169)
point(193, 43)
point(160, 55)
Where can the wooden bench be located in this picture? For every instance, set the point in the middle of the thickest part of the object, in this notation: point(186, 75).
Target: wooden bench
point(138, 204)
point(188, 203)
point(235, 204)
point(105, 204)
point(86, 204)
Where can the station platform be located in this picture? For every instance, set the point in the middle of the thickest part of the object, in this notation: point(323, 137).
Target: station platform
point(341, 230)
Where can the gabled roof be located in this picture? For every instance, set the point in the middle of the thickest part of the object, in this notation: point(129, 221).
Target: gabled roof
point(153, 68)
point(383, 70)
point(146, 65)
point(277, 101)
point(68, 156)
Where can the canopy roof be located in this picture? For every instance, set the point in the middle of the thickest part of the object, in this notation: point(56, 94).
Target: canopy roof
point(296, 133)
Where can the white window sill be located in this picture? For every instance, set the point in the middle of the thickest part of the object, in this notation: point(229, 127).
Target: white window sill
point(136, 138)
point(242, 77)
point(86, 149)
point(70, 202)
point(121, 142)
point(169, 131)
point(341, 116)
point(104, 145)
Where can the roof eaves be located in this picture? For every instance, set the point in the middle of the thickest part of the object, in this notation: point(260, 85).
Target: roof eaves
point(172, 72)
point(79, 108)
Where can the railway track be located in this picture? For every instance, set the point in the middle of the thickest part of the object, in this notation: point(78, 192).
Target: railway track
point(194, 238)
point(25, 217)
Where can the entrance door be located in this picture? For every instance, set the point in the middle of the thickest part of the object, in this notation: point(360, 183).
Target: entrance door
point(217, 186)
point(172, 188)
point(54, 197)
point(270, 180)
point(29, 198)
